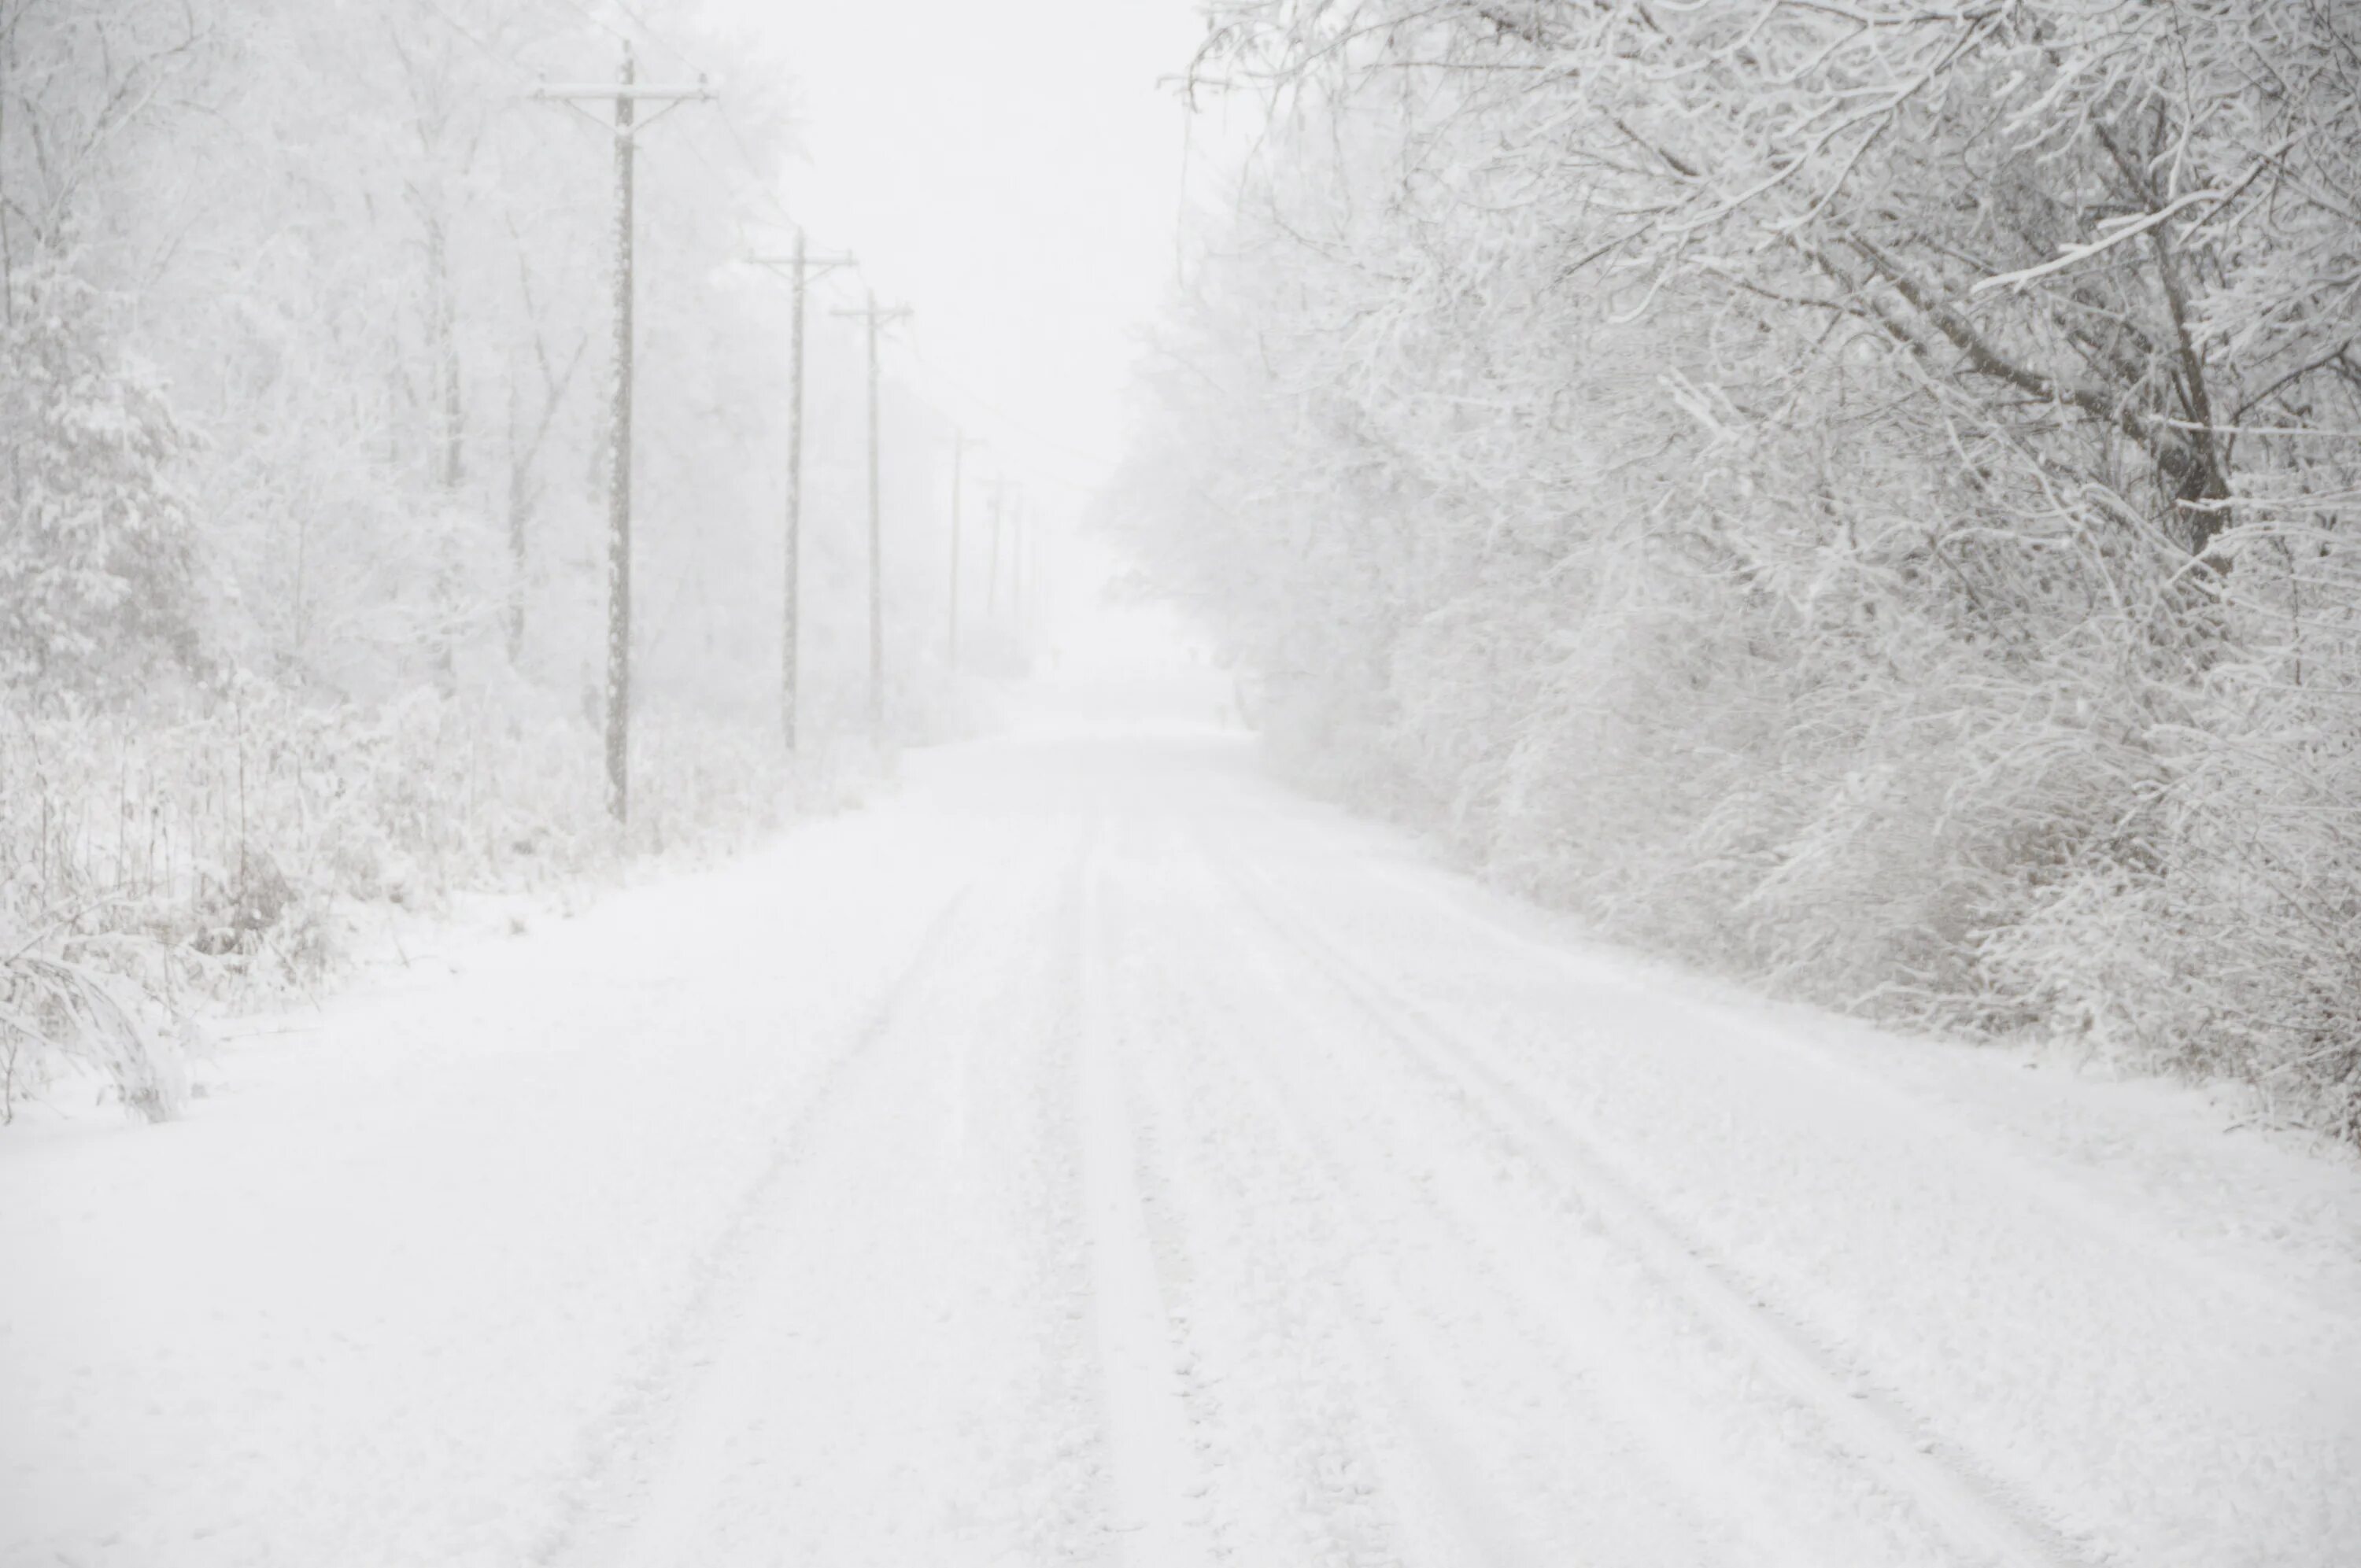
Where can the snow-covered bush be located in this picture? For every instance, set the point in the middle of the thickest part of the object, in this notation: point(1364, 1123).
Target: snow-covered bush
point(54, 1012)
point(151, 862)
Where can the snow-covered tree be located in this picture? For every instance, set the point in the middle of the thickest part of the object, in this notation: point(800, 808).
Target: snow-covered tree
point(99, 573)
point(1851, 493)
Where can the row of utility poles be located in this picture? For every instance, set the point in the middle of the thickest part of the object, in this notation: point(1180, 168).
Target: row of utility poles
point(801, 266)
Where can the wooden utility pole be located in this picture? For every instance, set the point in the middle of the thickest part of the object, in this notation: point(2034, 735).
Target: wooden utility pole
point(875, 318)
point(1017, 577)
point(801, 267)
point(1009, 510)
point(991, 564)
point(626, 93)
point(959, 444)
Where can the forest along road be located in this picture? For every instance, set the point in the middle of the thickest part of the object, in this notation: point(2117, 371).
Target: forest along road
point(1094, 1153)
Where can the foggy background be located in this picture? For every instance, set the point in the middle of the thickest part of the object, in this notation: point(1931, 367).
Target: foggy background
point(1577, 782)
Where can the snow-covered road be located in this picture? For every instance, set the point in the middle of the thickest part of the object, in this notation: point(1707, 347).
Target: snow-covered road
point(1095, 1154)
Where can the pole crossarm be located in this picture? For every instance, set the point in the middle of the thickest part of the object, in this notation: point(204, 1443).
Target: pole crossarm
point(607, 91)
point(625, 94)
point(813, 266)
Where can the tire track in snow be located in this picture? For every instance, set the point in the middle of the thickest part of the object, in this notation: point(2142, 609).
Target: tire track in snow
point(1999, 1168)
point(1301, 1463)
point(1154, 1469)
point(1872, 1429)
point(1618, 1483)
point(623, 1446)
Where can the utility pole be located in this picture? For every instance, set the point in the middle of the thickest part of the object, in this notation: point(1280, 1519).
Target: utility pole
point(1010, 511)
point(961, 442)
point(626, 93)
point(1017, 575)
point(992, 566)
point(801, 267)
point(875, 318)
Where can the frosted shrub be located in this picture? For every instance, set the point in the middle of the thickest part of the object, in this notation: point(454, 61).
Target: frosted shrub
point(53, 1012)
point(147, 861)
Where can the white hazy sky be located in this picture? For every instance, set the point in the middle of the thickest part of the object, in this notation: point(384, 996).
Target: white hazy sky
point(1012, 169)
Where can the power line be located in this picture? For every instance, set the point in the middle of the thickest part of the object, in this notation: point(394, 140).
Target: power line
point(601, 22)
point(648, 28)
point(754, 181)
point(962, 389)
point(496, 55)
point(756, 178)
point(761, 184)
point(746, 154)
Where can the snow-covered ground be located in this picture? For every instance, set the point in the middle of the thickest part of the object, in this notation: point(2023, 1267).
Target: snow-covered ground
point(1095, 1154)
